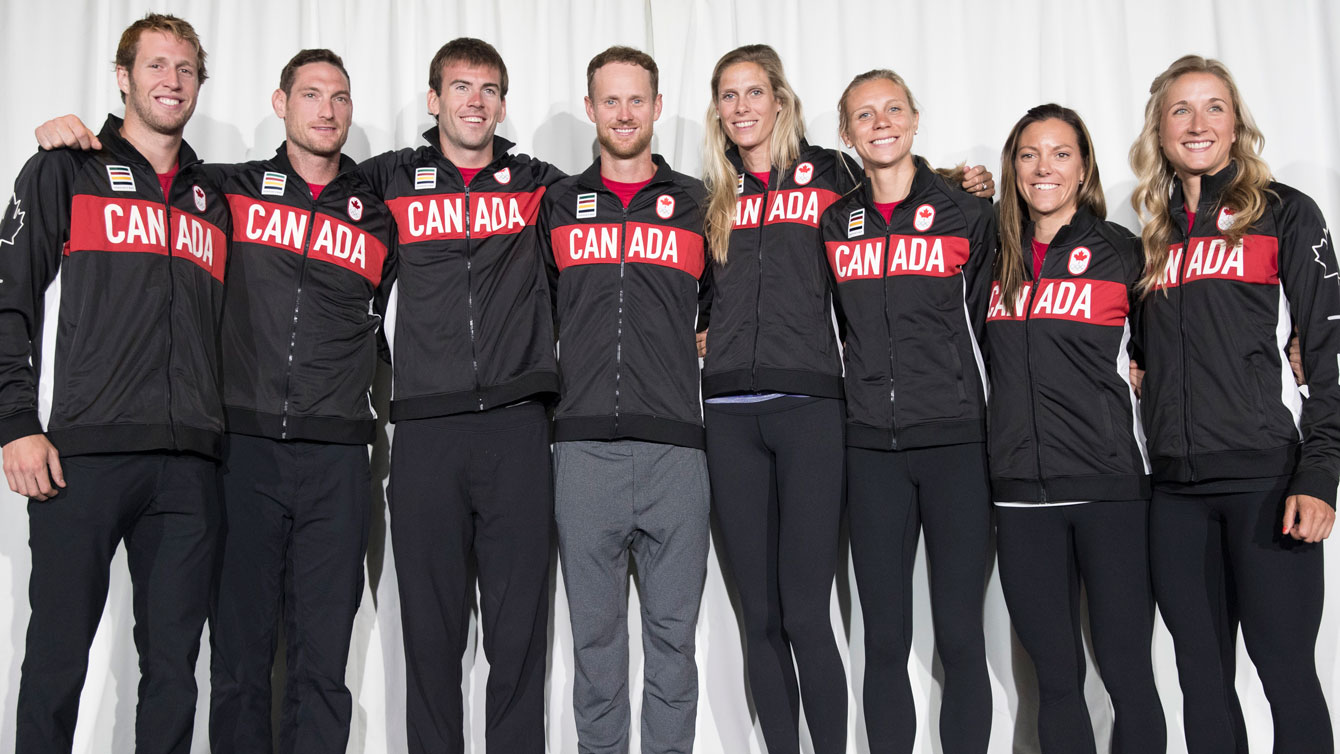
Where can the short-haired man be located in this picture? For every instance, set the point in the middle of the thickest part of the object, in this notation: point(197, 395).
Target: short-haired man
point(109, 407)
point(312, 245)
point(471, 334)
point(627, 258)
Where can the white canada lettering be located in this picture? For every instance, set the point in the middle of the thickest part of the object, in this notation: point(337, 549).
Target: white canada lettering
point(494, 214)
point(747, 211)
point(915, 255)
point(273, 225)
point(585, 242)
point(1065, 298)
point(653, 244)
point(1214, 259)
point(195, 239)
point(997, 309)
point(137, 228)
point(794, 205)
point(858, 260)
point(435, 217)
point(340, 241)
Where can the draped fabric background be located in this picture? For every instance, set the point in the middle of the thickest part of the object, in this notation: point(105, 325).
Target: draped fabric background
point(974, 65)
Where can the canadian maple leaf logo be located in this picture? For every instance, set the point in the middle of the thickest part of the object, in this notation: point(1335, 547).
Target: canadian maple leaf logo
point(13, 222)
point(1081, 255)
point(926, 212)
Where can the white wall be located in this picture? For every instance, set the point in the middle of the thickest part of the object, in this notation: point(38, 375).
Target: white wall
point(975, 66)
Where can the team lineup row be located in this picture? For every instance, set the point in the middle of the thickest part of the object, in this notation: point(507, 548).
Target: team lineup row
point(1146, 434)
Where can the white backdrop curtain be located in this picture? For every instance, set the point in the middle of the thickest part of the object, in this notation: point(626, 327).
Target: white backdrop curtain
point(974, 65)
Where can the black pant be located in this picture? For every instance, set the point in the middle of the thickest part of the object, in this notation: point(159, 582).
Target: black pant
point(1045, 552)
point(776, 469)
point(474, 484)
point(165, 507)
point(890, 495)
point(1218, 559)
point(295, 532)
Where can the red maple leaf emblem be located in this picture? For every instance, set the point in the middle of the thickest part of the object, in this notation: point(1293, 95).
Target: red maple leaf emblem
point(926, 212)
point(664, 201)
point(1081, 255)
point(354, 204)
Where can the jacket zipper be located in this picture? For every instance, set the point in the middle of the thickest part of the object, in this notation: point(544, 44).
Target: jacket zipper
point(470, 302)
point(888, 322)
point(618, 333)
point(1032, 385)
point(297, 308)
point(172, 299)
point(1181, 350)
point(758, 292)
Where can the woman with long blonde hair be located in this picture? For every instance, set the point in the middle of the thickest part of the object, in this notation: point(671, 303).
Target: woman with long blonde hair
point(772, 380)
point(1245, 468)
point(1068, 469)
point(910, 256)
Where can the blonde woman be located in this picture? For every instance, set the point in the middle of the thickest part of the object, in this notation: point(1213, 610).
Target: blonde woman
point(910, 256)
point(772, 379)
point(1245, 469)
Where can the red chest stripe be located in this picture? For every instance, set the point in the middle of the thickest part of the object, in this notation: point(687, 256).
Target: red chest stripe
point(1094, 302)
point(433, 217)
point(1255, 260)
point(930, 256)
point(332, 240)
point(104, 224)
point(644, 244)
point(801, 206)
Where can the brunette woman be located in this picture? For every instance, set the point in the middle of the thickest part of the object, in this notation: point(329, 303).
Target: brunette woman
point(1068, 468)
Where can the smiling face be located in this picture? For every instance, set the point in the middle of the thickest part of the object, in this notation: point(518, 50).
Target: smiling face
point(161, 86)
point(317, 110)
point(468, 110)
point(880, 123)
point(623, 106)
point(747, 105)
point(1048, 169)
point(1197, 126)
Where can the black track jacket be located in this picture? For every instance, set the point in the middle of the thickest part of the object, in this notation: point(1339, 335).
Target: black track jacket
point(1064, 423)
point(109, 302)
point(299, 343)
point(627, 285)
point(469, 321)
point(1219, 398)
point(771, 303)
point(913, 296)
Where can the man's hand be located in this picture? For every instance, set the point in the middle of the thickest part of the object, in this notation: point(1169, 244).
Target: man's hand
point(702, 344)
point(66, 131)
point(977, 180)
point(32, 464)
point(1307, 518)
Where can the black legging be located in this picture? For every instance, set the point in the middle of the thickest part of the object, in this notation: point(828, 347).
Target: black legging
point(776, 470)
point(1044, 553)
point(1218, 559)
point(889, 496)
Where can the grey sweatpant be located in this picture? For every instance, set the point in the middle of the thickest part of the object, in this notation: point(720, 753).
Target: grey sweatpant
point(650, 500)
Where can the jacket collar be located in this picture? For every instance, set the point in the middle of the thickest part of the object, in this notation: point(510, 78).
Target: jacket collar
point(922, 182)
point(501, 147)
point(116, 145)
point(590, 178)
point(281, 161)
point(1211, 187)
point(1079, 224)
